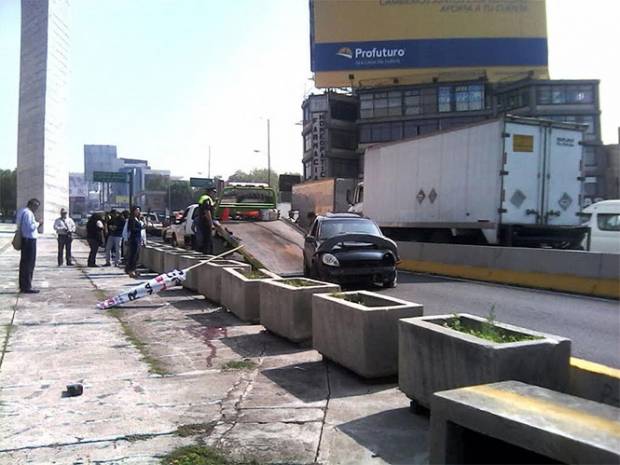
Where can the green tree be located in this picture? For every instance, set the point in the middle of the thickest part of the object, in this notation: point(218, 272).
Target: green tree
point(255, 175)
point(8, 193)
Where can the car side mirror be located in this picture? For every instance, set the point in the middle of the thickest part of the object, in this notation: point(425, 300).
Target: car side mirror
point(310, 239)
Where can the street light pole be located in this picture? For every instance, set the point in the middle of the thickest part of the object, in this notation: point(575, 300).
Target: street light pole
point(209, 172)
point(268, 153)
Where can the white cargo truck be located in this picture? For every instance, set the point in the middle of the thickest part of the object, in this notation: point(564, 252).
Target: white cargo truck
point(513, 181)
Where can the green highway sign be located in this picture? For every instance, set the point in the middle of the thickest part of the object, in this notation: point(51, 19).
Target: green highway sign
point(110, 176)
point(201, 182)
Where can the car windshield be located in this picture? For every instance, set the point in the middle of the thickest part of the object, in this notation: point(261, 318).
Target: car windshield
point(331, 228)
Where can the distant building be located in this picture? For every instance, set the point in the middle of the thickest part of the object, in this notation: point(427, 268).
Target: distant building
point(398, 112)
point(612, 174)
point(78, 193)
point(330, 136)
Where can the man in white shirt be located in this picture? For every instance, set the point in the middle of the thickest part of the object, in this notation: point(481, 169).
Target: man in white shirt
point(29, 229)
point(65, 228)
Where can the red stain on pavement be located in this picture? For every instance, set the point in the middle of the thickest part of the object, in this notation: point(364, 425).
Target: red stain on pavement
point(208, 334)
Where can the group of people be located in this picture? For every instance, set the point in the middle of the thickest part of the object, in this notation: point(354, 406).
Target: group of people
point(121, 234)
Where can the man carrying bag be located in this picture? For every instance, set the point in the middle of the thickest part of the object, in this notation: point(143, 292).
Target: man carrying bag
point(28, 231)
point(65, 228)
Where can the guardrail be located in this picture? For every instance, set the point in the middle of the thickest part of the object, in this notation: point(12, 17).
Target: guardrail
point(589, 273)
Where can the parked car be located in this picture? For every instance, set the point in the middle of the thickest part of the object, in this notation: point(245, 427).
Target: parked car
point(603, 218)
point(180, 232)
point(345, 248)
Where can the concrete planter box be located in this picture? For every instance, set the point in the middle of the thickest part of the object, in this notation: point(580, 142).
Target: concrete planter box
point(434, 358)
point(362, 335)
point(185, 261)
point(286, 310)
point(171, 259)
point(157, 258)
point(210, 277)
point(241, 295)
point(146, 256)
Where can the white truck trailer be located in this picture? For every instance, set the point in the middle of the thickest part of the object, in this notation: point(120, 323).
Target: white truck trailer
point(513, 181)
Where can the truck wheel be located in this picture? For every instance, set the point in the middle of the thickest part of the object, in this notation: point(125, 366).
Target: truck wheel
point(173, 241)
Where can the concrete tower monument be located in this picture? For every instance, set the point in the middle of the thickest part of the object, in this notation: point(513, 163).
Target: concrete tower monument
point(41, 154)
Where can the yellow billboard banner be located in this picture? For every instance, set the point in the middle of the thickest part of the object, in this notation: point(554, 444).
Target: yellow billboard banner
point(353, 41)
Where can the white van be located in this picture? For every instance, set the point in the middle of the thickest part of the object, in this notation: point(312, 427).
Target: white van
point(603, 218)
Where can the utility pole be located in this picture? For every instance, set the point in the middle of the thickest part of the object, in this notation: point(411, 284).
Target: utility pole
point(209, 167)
point(268, 153)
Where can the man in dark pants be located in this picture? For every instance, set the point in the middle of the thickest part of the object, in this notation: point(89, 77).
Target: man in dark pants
point(206, 206)
point(29, 229)
point(65, 228)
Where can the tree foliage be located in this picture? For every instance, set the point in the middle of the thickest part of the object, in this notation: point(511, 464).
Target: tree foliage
point(8, 193)
point(255, 175)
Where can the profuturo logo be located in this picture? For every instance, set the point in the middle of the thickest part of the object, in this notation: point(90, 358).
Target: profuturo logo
point(371, 53)
point(345, 52)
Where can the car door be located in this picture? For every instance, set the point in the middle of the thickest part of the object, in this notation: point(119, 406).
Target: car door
point(310, 244)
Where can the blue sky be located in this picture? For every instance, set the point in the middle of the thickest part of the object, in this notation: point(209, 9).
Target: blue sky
point(164, 79)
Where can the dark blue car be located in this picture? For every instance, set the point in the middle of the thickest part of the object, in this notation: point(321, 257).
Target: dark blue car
point(346, 248)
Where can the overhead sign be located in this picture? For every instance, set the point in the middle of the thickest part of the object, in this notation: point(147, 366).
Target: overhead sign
point(374, 42)
point(110, 176)
point(204, 183)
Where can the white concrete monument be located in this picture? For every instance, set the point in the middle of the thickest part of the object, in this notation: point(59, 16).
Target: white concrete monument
point(41, 154)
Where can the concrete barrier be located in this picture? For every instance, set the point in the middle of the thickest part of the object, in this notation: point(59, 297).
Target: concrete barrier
point(361, 335)
point(171, 258)
point(286, 310)
point(210, 278)
point(185, 261)
point(433, 357)
point(562, 270)
point(241, 294)
point(157, 258)
point(594, 381)
point(512, 422)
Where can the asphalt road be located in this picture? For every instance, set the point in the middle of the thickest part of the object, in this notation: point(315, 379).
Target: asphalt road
point(592, 324)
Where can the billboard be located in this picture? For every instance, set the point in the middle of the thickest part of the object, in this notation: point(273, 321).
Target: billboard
point(377, 42)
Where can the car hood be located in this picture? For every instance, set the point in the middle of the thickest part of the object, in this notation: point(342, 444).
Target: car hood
point(358, 240)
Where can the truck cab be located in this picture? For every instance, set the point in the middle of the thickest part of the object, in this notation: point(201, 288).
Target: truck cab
point(357, 201)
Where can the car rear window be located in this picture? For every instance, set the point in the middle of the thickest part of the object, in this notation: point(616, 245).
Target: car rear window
point(331, 228)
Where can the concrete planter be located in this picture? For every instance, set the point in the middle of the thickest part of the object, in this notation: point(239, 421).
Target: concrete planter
point(157, 258)
point(146, 256)
point(286, 310)
point(210, 277)
point(171, 259)
point(361, 335)
point(241, 295)
point(185, 261)
point(434, 358)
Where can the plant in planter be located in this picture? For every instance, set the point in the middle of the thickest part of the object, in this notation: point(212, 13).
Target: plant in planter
point(443, 352)
point(286, 306)
point(359, 330)
point(241, 291)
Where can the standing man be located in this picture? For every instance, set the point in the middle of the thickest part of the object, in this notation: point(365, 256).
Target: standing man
point(65, 228)
point(134, 233)
point(116, 224)
point(29, 230)
point(206, 205)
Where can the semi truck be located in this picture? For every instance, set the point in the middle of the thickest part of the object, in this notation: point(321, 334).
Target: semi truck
point(510, 181)
point(321, 196)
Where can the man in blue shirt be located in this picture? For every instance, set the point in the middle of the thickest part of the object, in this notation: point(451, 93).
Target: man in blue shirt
point(29, 229)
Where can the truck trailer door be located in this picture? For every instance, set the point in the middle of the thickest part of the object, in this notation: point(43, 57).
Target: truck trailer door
point(524, 148)
point(562, 180)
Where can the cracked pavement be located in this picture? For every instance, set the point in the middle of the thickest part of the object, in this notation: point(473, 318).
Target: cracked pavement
point(292, 407)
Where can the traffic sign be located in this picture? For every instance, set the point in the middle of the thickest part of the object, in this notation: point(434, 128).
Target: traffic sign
point(201, 182)
point(110, 176)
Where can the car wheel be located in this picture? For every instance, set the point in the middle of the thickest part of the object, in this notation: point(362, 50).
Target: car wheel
point(173, 241)
point(391, 283)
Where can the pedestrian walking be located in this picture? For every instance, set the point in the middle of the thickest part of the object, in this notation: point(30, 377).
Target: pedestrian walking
point(65, 228)
point(116, 224)
point(28, 227)
point(94, 236)
point(134, 236)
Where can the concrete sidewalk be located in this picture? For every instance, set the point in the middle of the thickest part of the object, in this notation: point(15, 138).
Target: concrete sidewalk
point(155, 377)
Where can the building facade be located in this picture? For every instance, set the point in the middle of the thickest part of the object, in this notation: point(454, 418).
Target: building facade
point(330, 136)
point(42, 168)
point(401, 112)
